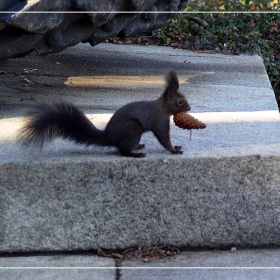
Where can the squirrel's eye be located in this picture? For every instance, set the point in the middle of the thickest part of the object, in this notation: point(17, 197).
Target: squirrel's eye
point(180, 101)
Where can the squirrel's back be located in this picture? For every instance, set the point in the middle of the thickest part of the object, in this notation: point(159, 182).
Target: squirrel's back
point(145, 112)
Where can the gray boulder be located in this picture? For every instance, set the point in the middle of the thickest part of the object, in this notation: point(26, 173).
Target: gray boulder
point(49, 26)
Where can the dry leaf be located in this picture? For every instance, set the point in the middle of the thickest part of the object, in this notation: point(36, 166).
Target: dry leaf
point(144, 253)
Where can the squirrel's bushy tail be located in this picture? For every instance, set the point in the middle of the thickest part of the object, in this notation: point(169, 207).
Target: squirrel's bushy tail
point(61, 119)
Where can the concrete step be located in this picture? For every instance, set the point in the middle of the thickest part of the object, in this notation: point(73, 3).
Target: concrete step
point(237, 264)
point(222, 191)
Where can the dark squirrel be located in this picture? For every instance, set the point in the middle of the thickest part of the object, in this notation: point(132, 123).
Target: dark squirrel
point(124, 129)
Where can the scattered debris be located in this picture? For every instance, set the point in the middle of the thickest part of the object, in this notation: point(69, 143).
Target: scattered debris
point(28, 70)
point(235, 53)
point(143, 253)
point(24, 78)
point(28, 81)
point(102, 253)
point(26, 98)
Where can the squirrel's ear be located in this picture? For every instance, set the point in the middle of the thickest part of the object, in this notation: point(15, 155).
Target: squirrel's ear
point(172, 83)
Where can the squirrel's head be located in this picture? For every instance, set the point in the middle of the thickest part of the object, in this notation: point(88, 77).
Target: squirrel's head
point(175, 101)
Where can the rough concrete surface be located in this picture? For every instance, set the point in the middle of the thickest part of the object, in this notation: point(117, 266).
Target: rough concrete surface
point(57, 267)
point(231, 265)
point(211, 265)
point(222, 191)
point(57, 274)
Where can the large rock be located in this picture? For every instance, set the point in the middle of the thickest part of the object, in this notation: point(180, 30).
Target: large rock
point(22, 30)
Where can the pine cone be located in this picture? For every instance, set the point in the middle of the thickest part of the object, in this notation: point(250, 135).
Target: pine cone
point(186, 121)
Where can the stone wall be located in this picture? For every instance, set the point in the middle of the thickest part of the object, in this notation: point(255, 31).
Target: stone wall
point(29, 26)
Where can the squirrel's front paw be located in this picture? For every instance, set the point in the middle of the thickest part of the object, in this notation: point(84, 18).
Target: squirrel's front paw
point(178, 148)
point(177, 152)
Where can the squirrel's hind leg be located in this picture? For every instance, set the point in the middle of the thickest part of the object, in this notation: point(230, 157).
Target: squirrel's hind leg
point(130, 154)
point(140, 147)
point(129, 139)
point(129, 145)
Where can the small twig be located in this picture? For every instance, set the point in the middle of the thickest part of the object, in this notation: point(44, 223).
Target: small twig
point(275, 42)
point(276, 84)
point(27, 70)
point(200, 21)
point(28, 81)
